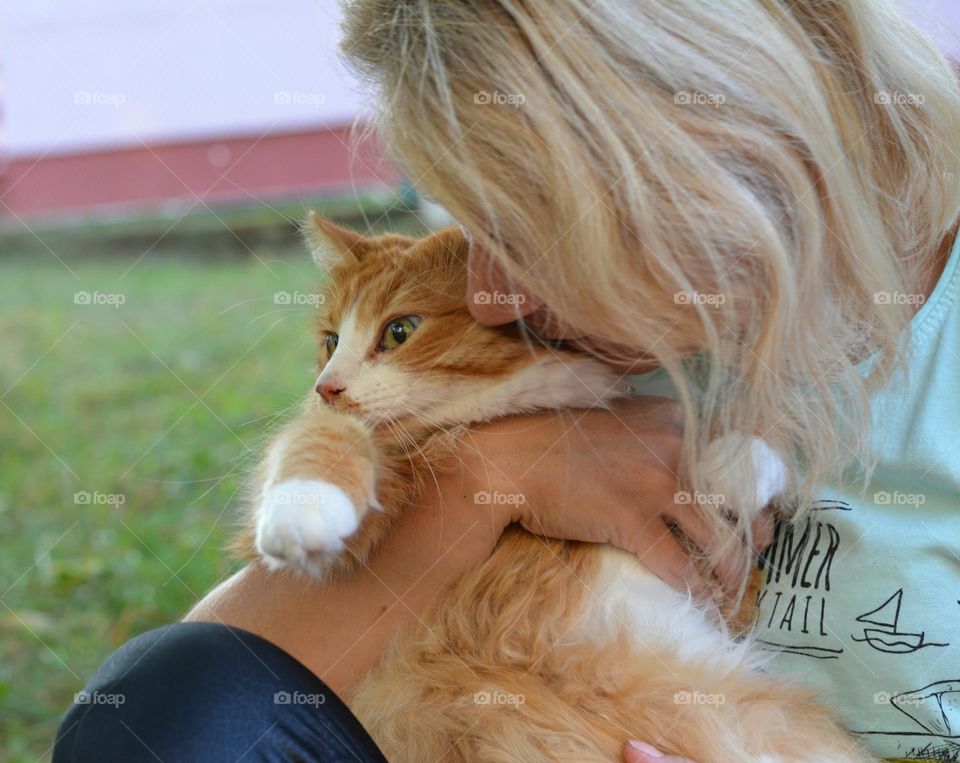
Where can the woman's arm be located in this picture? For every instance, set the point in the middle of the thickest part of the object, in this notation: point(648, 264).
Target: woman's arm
point(598, 475)
point(339, 630)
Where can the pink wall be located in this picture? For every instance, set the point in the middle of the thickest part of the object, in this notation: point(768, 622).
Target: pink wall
point(248, 168)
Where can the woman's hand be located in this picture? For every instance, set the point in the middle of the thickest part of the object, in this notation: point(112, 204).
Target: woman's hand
point(604, 476)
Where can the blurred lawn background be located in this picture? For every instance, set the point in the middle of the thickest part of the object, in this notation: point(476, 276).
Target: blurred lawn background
point(126, 430)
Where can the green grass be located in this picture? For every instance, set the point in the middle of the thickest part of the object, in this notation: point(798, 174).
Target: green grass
point(163, 400)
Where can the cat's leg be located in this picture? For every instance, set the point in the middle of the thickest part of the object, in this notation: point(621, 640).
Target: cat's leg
point(742, 475)
point(315, 507)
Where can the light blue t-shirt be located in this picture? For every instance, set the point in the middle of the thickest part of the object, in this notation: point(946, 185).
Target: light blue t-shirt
point(862, 600)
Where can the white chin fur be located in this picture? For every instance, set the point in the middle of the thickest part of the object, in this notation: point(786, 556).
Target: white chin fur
point(550, 382)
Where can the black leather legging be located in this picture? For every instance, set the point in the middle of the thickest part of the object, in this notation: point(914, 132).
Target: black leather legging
point(208, 693)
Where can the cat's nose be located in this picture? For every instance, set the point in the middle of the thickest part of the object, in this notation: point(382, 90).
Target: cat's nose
point(329, 390)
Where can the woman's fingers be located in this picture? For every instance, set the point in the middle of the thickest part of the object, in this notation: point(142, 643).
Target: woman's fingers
point(657, 547)
point(641, 752)
point(762, 531)
point(729, 568)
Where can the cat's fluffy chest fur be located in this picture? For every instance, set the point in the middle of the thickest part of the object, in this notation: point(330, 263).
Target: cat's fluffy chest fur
point(550, 650)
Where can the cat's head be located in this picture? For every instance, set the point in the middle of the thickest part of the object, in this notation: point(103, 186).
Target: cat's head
point(397, 340)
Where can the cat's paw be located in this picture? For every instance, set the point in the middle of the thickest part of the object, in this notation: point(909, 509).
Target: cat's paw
point(746, 486)
point(302, 524)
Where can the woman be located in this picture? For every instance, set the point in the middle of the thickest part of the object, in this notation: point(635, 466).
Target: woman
point(755, 196)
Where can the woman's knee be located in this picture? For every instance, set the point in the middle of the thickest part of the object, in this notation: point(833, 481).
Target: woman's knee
point(203, 691)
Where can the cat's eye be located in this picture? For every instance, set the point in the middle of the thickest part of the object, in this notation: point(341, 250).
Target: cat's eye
point(331, 344)
point(398, 331)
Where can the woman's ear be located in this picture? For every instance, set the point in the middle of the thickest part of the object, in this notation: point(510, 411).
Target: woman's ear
point(330, 244)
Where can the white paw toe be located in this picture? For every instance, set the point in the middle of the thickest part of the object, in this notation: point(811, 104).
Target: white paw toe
point(771, 472)
point(303, 524)
point(746, 471)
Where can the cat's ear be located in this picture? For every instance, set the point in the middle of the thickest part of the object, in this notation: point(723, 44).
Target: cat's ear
point(330, 244)
point(444, 247)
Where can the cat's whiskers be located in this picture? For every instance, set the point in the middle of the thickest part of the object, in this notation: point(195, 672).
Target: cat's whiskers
point(385, 403)
point(408, 445)
point(404, 435)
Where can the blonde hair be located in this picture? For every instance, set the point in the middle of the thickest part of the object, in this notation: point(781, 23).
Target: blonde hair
point(742, 178)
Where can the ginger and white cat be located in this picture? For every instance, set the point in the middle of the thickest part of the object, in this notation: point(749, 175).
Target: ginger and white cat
point(549, 651)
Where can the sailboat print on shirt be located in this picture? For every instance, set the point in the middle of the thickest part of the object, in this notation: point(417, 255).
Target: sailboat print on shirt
point(885, 637)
